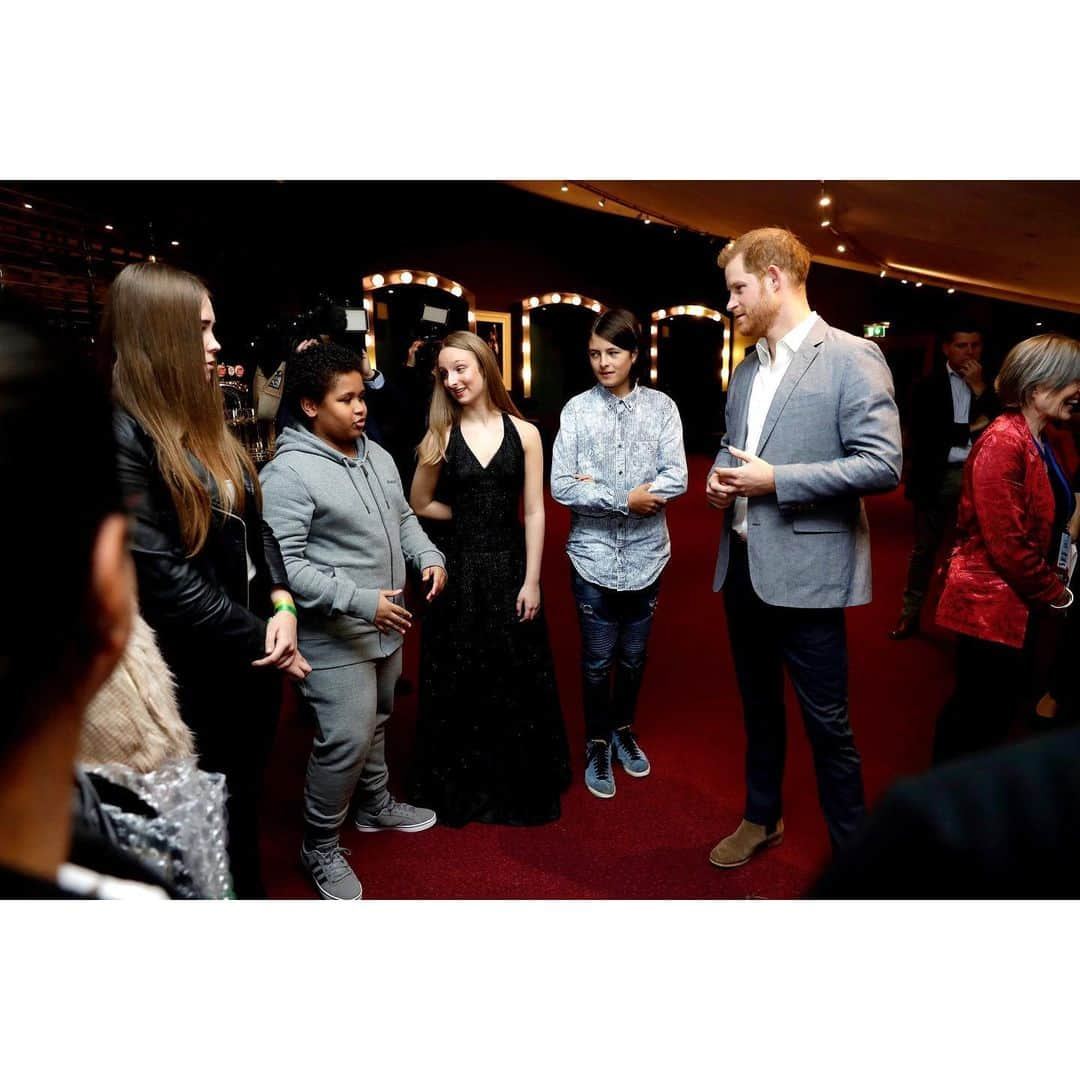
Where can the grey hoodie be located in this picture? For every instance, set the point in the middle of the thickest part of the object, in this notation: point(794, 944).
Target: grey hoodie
point(345, 530)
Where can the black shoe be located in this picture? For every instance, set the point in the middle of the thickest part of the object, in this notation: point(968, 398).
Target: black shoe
point(906, 626)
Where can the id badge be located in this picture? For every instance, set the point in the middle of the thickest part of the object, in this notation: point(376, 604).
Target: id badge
point(1063, 556)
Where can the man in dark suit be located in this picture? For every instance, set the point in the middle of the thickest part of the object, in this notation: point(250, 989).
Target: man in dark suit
point(949, 409)
point(1001, 824)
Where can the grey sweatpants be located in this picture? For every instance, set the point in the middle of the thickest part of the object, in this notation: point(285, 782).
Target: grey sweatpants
point(351, 705)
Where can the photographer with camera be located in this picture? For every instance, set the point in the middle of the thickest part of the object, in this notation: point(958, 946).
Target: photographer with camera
point(325, 325)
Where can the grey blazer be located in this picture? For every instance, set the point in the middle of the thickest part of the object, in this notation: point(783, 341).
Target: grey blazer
point(832, 434)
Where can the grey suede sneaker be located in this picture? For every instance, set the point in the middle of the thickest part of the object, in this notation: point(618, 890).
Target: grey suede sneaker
point(628, 753)
point(332, 875)
point(395, 817)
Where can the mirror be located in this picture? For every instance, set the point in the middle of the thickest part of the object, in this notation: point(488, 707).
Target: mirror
point(691, 363)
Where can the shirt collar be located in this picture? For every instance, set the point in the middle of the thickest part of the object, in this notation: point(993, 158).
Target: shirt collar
point(793, 339)
point(613, 401)
point(955, 374)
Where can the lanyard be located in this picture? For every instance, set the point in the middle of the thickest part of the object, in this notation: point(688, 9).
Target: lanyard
point(1057, 474)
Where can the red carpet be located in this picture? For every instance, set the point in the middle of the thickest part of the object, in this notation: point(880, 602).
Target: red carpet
point(653, 839)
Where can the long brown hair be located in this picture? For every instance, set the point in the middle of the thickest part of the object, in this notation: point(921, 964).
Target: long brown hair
point(153, 318)
point(445, 412)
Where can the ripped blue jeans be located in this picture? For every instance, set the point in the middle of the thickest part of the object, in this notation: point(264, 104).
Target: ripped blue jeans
point(614, 634)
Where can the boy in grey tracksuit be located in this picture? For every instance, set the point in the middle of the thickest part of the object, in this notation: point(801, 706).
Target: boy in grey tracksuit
point(335, 503)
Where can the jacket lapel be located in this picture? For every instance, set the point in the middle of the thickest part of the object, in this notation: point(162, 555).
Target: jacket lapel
point(796, 369)
point(743, 406)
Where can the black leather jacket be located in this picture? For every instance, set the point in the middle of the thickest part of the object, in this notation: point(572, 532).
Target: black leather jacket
point(202, 608)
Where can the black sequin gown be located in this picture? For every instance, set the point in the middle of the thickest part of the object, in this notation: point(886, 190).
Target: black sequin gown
point(490, 740)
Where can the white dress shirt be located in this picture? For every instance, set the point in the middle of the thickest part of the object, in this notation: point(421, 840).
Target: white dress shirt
point(961, 405)
point(767, 378)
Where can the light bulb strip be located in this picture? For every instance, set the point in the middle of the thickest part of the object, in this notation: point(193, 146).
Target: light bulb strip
point(405, 276)
point(693, 311)
point(530, 304)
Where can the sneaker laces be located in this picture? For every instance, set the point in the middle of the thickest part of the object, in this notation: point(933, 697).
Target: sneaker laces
point(331, 859)
point(628, 744)
point(599, 760)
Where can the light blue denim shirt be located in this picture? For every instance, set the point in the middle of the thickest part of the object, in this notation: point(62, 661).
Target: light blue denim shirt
point(620, 443)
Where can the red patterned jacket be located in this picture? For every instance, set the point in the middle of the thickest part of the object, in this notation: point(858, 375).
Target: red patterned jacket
point(999, 569)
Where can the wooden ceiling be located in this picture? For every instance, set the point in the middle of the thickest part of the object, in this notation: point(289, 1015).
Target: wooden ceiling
point(1014, 240)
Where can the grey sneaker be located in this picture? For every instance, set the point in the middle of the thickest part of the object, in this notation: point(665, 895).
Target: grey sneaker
point(598, 778)
point(333, 876)
point(395, 817)
point(628, 753)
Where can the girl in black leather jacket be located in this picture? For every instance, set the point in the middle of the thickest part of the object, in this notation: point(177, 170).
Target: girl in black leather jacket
point(211, 579)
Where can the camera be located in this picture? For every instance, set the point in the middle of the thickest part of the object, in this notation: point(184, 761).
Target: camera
point(430, 334)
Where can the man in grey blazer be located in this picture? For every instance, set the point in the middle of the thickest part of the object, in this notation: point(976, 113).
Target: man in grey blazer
point(812, 426)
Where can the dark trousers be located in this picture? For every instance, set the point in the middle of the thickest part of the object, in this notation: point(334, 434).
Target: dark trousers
point(614, 634)
point(991, 679)
point(234, 721)
point(933, 518)
point(812, 644)
point(1061, 677)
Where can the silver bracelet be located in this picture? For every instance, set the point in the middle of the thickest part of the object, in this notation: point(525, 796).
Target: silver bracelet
point(1068, 602)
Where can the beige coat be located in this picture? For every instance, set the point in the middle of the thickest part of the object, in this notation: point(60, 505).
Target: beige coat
point(133, 719)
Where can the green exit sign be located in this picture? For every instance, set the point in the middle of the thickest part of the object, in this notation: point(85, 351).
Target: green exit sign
point(875, 329)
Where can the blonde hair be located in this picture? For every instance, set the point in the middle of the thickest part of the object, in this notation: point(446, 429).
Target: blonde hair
point(1048, 360)
point(762, 248)
point(153, 317)
point(445, 412)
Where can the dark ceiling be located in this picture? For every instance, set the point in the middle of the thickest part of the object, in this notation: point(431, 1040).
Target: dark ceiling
point(1013, 240)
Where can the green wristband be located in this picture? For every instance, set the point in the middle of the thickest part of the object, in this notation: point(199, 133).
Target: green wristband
point(284, 605)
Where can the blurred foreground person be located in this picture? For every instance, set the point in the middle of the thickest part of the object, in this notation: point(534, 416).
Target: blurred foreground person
point(1000, 825)
point(74, 617)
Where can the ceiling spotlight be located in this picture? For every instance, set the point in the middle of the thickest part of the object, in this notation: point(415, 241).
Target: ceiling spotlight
point(599, 202)
point(456, 290)
point(175, 243)
point(109, 228)
point(1038, 324)
point(648, 220)
point(29, 206)
point(882, 274)
point(918, 284)
point(534, 301)
point(824, 201)
point(826, 223)
point(378, 280)
point(903, 281)
point(406, 277)
point(575, 300)
point(595, 305)
point(661, 314)
point(950, 291)
point(841, 248)
point(565, 187)
point(432, 280)
point(556, 298)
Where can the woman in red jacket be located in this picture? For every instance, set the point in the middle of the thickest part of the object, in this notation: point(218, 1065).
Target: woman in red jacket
point(1013, 548)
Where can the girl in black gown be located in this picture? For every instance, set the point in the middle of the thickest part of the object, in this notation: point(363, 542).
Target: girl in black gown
point(490, 741)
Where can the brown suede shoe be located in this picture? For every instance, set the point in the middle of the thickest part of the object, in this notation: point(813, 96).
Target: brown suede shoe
point(744, 843)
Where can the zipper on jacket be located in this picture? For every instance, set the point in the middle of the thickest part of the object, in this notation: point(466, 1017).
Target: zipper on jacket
point(386, 531)
point(247, 579)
